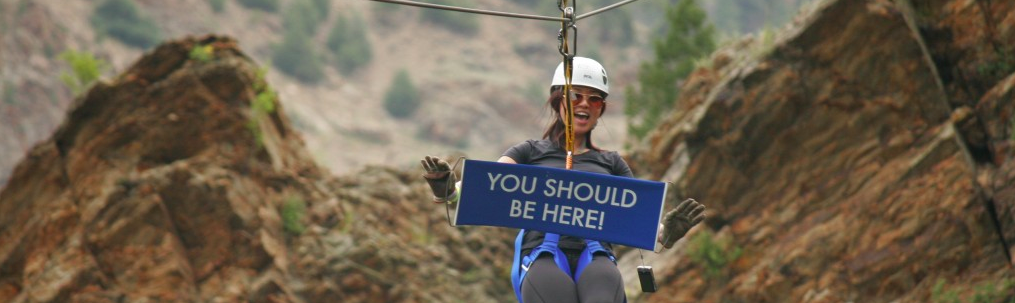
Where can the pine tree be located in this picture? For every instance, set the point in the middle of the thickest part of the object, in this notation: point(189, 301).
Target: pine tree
point(402, 99)
point(688, 36)
point(349, 44)
point(297, 57)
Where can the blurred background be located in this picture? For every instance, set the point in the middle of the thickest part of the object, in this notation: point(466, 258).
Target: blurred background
point(477, 84)
point(267, 150)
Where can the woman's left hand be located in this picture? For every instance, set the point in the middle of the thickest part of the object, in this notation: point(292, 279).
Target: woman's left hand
point(438, 175)
point(680, 220)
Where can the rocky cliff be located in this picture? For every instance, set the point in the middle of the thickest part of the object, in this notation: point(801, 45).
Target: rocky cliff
point(865, 156)
point(181, 180)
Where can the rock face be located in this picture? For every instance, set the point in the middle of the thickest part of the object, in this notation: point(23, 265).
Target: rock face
point(865, 157)
point(182, 181)
point(154, 187)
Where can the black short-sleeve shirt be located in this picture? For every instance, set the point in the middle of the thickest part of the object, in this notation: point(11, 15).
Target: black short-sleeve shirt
point(547, 153)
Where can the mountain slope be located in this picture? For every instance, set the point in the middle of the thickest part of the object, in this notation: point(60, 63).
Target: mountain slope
point(843, 166)
point(171, 183)
point(480, 93)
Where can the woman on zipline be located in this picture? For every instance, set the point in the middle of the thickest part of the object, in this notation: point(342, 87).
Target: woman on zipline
point(545, 279)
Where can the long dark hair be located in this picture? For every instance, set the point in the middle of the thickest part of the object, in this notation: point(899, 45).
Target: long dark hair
point(555, 130)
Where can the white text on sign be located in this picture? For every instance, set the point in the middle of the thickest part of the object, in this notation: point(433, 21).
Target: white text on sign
point(561, 189)
point(561, 214)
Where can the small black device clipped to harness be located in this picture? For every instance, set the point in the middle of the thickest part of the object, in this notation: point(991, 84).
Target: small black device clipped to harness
point(645, 276)
point(648, 281)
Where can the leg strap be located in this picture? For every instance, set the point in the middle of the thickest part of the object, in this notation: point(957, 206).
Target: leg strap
point(591, 248)
point(520, 265)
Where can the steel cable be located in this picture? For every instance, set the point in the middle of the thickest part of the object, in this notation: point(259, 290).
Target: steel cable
point(473, 10)
point(504, 14)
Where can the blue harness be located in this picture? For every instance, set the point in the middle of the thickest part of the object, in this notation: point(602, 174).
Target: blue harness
point(521, 263)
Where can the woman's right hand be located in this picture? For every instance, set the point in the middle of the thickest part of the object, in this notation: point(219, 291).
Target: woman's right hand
point(677, 222)
point(439, 176)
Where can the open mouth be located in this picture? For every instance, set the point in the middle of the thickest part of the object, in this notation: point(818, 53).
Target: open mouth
point(581, 116)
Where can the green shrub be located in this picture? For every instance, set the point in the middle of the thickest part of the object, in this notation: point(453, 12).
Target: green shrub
point(765, 42)
point(262, 105)
point(264, 5)
point(615, 27)
point(264, 101)
point(303, 16)
point(296, 57)
point(22, 6)
point(712, 254)
point(463, 23)
point(202, 53)
point(217, 6)
point(402, 99)
point(939, 295)
point(688, 36)
point(348, 42)
point(122, 20)
point(85, 70)
point(323, 7)
point(995, 291)
point(984, 292)
point(998, 67)
point(293, 211)
point(389, 15)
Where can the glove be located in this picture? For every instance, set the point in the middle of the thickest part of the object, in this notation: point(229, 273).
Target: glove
point(439, 176)
point(680, 220)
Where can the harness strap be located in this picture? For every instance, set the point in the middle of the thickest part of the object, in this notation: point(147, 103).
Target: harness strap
point(550, 245)
point(521, 264)
point(591, 248)
point(516, 274)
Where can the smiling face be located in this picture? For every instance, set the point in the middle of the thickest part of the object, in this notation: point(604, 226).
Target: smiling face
point(588, 104)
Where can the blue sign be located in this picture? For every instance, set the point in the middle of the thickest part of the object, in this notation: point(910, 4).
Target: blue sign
point(588, 205)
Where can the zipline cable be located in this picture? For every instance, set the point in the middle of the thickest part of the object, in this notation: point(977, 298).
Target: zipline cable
point(503, 14)
point(606, 8)
point(473, 10)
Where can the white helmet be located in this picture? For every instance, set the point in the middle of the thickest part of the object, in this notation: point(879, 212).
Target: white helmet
point(585, 72)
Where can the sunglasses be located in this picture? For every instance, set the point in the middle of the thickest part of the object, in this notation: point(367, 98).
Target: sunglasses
point(595, 101)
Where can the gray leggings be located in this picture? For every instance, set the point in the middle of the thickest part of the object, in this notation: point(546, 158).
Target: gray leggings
point(600, 283)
